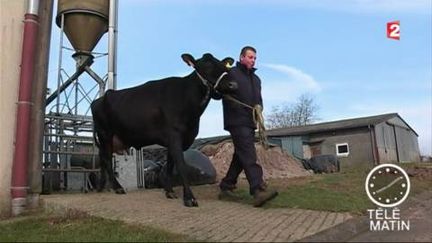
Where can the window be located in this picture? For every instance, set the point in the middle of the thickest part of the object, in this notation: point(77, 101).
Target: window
point(342, 149)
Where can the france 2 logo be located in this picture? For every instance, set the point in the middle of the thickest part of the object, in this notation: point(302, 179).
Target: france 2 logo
point(393, 30)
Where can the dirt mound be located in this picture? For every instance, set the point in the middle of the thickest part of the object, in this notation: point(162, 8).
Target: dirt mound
point(423, 173)
point(275, 162)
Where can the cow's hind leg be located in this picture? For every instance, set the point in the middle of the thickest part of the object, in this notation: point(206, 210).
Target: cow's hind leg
point(169, 192)
point(102, 180)
point(101, 143)
point(176, 153)
point(105, 155)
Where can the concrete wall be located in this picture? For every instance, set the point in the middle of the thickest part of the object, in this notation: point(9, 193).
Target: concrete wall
point(358, 140)
point(11, 22)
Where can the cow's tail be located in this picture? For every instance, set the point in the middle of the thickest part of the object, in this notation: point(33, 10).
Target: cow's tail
point(95, 128)
point(97, 124)
point(95, 136)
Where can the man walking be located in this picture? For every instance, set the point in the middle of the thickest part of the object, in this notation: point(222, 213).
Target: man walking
point(238, 120)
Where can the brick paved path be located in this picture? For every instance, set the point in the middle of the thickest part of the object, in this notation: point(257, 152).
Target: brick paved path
point(213, 220)
point(417, 209)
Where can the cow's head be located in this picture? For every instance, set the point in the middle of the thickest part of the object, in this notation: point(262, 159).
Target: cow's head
point(213, 72)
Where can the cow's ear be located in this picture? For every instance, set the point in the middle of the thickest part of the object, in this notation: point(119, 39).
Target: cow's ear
point(228, 61)
point(188, 59)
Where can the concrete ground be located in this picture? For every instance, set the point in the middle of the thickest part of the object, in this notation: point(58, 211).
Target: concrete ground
point(417, 210)
point(219, 221)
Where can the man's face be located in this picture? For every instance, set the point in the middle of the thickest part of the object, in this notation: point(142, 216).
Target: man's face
point(248, 59)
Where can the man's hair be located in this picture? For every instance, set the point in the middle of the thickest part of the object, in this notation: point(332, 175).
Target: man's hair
point(245, 49)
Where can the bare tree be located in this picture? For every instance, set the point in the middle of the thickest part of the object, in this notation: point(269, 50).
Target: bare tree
point(302, 112)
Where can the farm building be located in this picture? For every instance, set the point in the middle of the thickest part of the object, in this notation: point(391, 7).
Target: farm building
point(378, 139)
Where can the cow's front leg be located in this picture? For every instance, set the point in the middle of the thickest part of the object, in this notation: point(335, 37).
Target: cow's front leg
point(169, 192)
point(176, 153)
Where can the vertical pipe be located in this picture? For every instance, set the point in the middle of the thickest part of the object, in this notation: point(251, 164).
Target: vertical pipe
point(39, 96)
point(59, 70)
point(112, 45)
point(33, 7)
point(55, 159)
point(19, 183)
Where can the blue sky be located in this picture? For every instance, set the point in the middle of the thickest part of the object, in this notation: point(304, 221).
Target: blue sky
point(334, 50)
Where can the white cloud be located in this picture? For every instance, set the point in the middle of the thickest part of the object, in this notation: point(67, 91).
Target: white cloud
point(294, 83)
point(296, 75)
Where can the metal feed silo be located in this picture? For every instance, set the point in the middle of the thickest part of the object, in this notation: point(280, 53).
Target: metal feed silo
point(84, 22)
point(68, 124)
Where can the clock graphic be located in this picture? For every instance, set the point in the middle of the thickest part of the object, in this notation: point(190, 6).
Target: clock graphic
point(387, 185)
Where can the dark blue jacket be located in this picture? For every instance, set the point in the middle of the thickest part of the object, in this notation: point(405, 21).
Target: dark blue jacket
point(249, 92)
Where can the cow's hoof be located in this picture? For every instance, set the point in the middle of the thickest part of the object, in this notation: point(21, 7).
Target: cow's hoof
point(120, 191)
point(171, 195)
point(191, 202)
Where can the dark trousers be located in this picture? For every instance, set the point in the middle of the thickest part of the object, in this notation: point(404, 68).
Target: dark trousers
point(244, 158)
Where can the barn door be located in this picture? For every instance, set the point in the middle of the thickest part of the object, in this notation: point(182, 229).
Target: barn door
point(293, 145)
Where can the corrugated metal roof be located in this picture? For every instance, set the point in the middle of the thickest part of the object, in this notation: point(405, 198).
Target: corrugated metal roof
point(333, 125)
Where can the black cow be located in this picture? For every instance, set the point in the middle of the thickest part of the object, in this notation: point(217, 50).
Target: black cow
point(165, 112)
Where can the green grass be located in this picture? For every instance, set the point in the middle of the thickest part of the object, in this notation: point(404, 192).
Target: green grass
point(78, 227)
point(336, 192)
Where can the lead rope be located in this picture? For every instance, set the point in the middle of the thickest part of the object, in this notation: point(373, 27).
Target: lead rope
point(258, 119)
point(208, 85)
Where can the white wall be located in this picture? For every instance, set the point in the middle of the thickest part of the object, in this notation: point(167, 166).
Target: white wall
point(11, 22)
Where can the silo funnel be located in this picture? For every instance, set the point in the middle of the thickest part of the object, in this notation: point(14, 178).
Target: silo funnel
point(85, 22)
